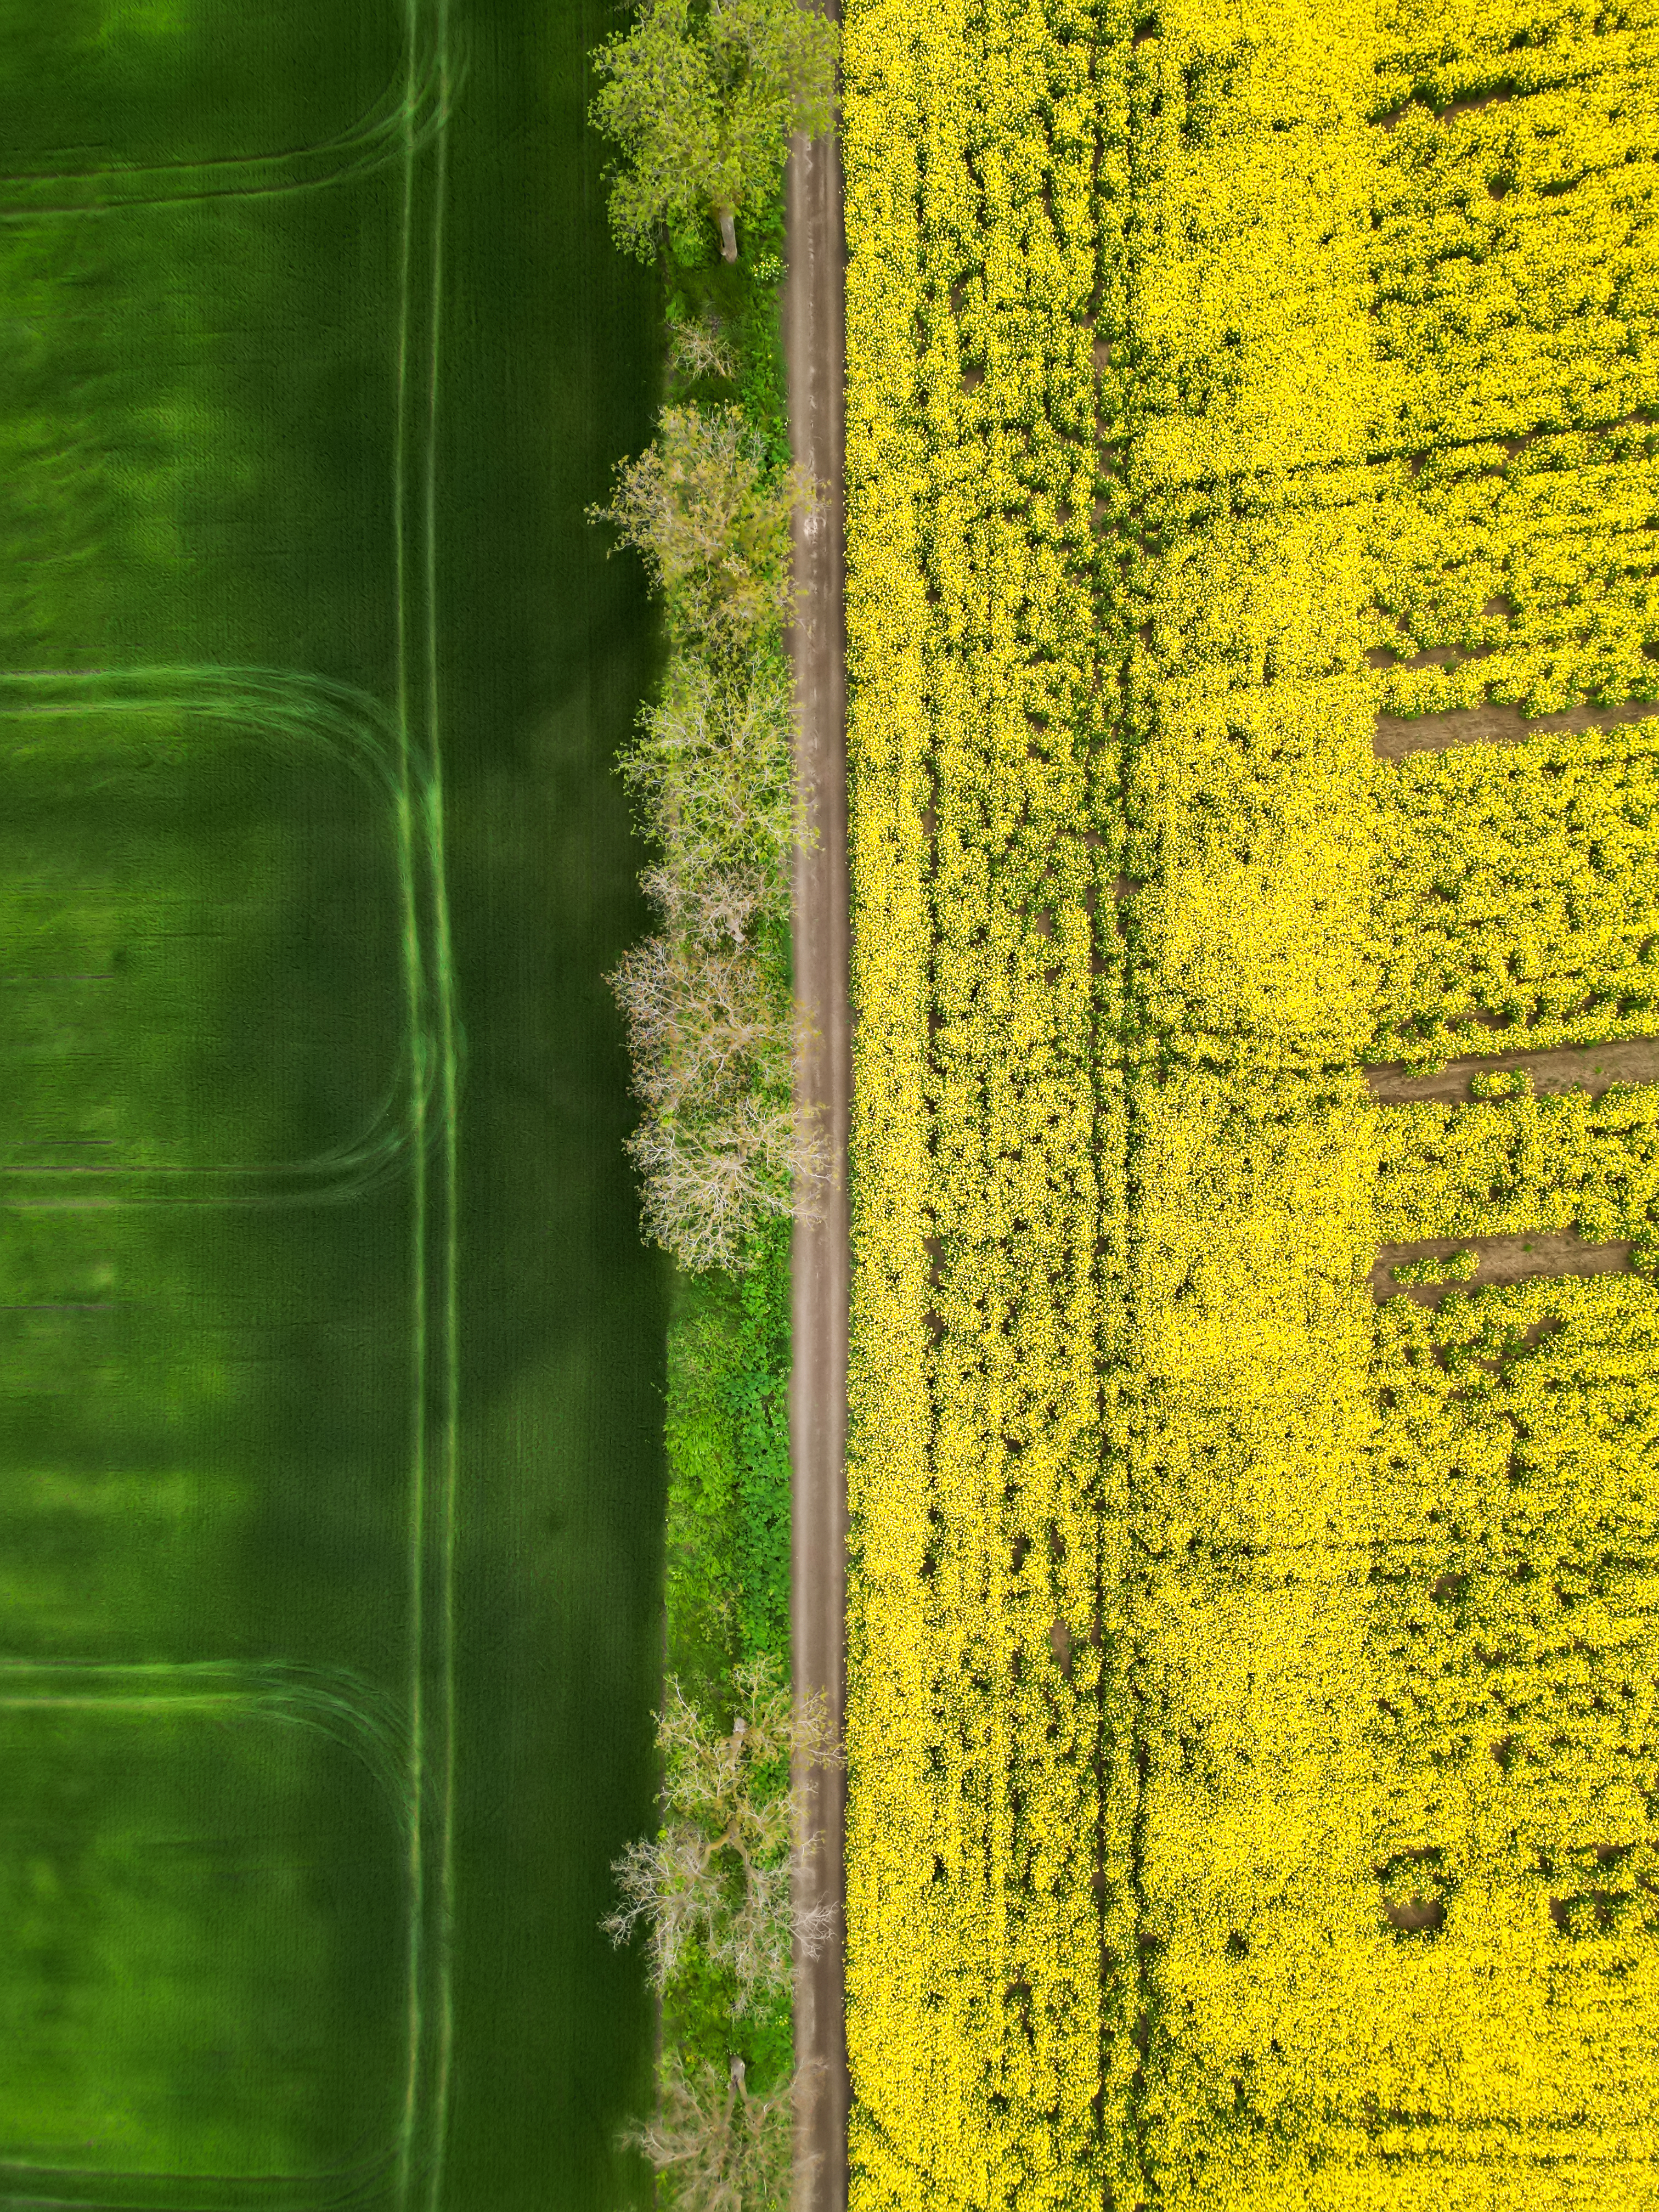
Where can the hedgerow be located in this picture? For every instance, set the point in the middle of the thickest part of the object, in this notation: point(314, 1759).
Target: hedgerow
point(712, 773)
point(728, 1454)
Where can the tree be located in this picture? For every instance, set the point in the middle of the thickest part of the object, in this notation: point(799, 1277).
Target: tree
point(702, 101)
point(734, 1827)
point(713, 774)
point(722, 1143)
point(703, 1025)
point(717, 907)
point(710, 1181)
point(712, 524)
point(719, 2146)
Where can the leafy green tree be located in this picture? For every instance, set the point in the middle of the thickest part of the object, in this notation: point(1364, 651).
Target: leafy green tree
point(702, 96)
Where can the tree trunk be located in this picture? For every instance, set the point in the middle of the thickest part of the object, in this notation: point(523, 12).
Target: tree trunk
point(728, 232)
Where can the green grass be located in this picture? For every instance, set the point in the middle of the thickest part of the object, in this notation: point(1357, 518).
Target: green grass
point(335, 1363)
point(728, 1563)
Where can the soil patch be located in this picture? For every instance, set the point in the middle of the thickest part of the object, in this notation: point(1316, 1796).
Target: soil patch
point(1498, 1259)
point(1493, 725)
point(1590, 1067)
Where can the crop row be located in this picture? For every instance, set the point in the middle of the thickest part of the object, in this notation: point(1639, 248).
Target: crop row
point(975, 1470)
point(1514, 894)
point(1516, 1162)
point(1515, 1597)
point(1241, 384)
point(1515, 258)
point(1107, 1325)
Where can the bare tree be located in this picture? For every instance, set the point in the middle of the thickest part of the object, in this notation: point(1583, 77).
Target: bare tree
point(719, 2145)
point(713, 775)
point(722, 1145)
point(701, 102)
point(718, 1870)
point(700, 348)
point(709, 1182)
point(711, 526)
point(716, 908)
point(702, 1025)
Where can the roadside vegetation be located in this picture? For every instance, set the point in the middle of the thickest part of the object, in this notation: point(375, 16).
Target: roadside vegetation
point(703, 101)
point(700, 102)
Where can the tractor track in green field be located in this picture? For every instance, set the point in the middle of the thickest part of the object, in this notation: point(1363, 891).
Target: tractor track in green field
point(435, 1432)
point(815, 355)
point(411, 114)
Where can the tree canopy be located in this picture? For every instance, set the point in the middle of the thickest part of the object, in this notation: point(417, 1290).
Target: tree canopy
point(701, 97)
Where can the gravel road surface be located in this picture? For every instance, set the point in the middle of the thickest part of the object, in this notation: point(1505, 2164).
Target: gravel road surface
point(817, 1399)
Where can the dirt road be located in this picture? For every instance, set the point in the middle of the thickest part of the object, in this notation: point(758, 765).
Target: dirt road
point(818, 1391)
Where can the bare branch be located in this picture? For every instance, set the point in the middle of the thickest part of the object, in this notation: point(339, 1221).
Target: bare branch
point(707, 1182)
point(702, 1025)
point(718, 2146)
point(710, 910)
point(700, 348)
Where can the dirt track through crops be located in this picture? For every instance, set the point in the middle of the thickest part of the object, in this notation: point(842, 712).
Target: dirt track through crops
point(813, 346)
point(1493, 726)
point(1498, 1259)
point(1590, 1067)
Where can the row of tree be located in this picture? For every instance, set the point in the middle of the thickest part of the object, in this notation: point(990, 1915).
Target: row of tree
point(720, 1875)
point(714, 1037)
point(701, 97)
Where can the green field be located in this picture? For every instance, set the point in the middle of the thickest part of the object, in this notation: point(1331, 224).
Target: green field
point(330, 1474)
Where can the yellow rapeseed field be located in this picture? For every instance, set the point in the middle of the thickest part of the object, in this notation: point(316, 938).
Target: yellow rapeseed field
point(1254, 1769)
